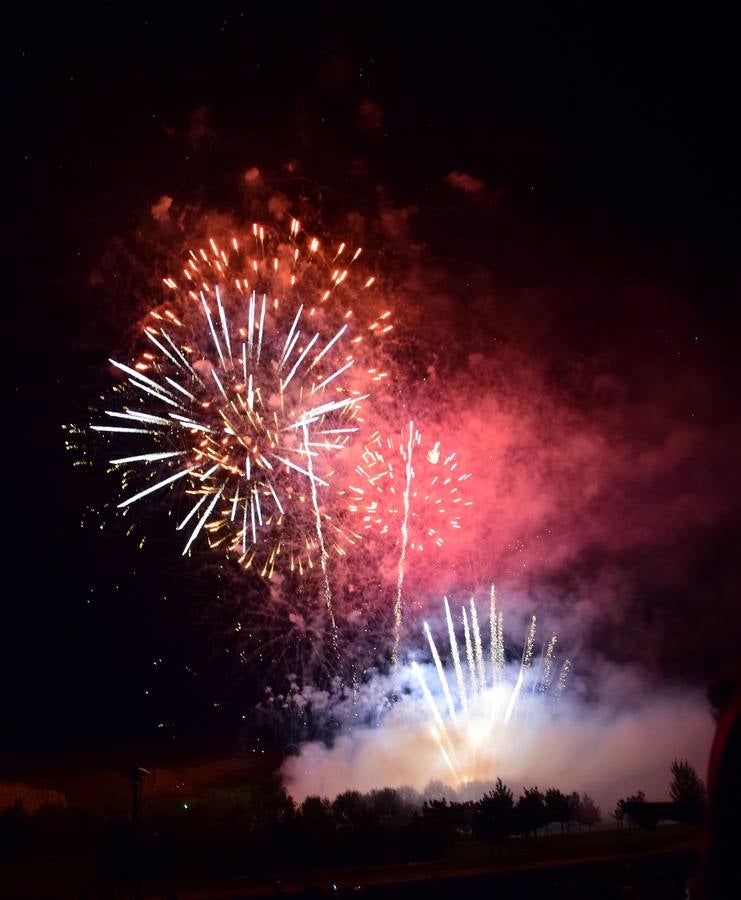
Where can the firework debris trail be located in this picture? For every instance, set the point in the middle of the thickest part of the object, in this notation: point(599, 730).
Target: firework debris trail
point(398, 610)
point(471, 723)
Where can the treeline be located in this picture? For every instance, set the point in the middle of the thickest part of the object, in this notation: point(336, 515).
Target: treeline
point(262, 823)
point(259, 827)
point(497, 816)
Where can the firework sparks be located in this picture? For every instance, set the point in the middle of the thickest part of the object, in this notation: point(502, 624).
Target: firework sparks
point(247, 387)
point(548, 664)
point(478, 718)
point(410, 491)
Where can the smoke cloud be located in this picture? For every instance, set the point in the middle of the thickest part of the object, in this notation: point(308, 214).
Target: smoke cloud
point(610, 749)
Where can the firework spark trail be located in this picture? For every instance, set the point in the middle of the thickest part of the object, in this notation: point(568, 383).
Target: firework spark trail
point(514, 697)
point(456, 656)
point(320, 536)
point(441, 673)
point(493, 636)
point(527, 652)
point(440, 729)
point(473, 724)
point(403, 551)
point(478, 650)
point(469, 654)
point(444, 753)
point(422, 506)
point(563, 677)
point(527, 655)
point(548, 664)
point(500, 646)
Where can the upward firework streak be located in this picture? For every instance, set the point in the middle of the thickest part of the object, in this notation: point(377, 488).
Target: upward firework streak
point(422, 498)
point(320, 535)
point(485, 705)
point(409, 474)
point(245, 395)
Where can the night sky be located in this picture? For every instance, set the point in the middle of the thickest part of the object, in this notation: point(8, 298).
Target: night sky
point(583, 171)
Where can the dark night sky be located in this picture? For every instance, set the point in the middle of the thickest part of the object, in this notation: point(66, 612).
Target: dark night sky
point(610, 142)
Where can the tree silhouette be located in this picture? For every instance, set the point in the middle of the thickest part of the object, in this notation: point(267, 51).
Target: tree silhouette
point(351, 811)
point(618, 814)
point(388, 808)
point(621, 813)
point(574, 801)
point(439, 822)
point(317, 822)
point(494, 816)
point(587, 812)
point(558, 807)
point(686, 785)
point(530, 811)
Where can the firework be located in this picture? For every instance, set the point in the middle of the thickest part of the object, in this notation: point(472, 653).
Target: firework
point(247, 388)
point(479, 703)
point(410, 491)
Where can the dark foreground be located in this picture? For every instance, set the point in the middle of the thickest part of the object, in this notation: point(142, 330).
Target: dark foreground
point(600, 864)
